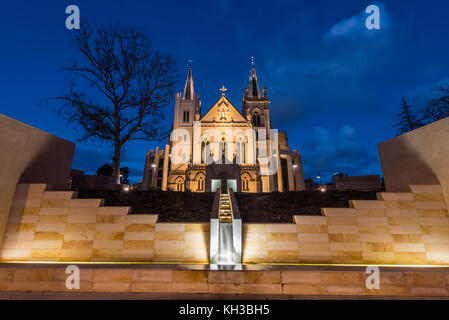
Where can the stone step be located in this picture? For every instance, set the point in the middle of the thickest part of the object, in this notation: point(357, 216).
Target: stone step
point(426, 189)
point(86, 203)
point(58, 195)
point(33, 187)
point(395, 196)
point(338, 212)
point(367, 204)
point(113, 211)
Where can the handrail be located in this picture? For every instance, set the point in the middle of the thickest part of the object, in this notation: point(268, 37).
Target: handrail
point(234, 206)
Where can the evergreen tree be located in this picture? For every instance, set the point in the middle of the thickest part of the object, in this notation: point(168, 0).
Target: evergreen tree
point(408, 121)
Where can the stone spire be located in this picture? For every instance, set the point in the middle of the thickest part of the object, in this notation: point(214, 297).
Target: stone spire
point(254, 91)
point(188, 88)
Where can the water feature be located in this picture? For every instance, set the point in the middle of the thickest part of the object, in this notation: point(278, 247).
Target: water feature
point(225, 231)
point(225, 244)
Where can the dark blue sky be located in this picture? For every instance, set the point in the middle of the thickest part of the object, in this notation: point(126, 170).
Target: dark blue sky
point(335, 87)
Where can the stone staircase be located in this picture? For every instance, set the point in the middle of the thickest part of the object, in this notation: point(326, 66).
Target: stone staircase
point(224, 212)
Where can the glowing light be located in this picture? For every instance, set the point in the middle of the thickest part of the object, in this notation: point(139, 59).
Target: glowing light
point(126, 188)
point(323, 190)
point(295, 166)
point(153, 165)
point(200, 264)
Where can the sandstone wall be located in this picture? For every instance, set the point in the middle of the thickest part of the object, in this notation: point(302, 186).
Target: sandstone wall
point(55, 226)
point(399, 228)
point(30, 155)
point(319, 281)
point(417, 157)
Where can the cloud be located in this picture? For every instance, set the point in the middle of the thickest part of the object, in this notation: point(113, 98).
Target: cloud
point(331, 70)
point(353, 28)
point(327, 152)
point(349, 28)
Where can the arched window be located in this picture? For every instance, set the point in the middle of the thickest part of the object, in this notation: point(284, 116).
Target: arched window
point(223, 146)
point(245, 183)
point(256, 120)
point(240, 151)
point(201, 183)
point(179, 184)
point(205, 152)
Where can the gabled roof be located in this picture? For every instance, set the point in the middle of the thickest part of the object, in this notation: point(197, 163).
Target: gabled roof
point(212, 115)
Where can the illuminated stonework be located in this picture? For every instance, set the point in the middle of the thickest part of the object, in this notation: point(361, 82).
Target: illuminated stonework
point(224, 145)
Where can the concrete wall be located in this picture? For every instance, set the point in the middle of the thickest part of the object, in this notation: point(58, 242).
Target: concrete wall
point(30, 155)
point(399, 228)
point(417, 157)
point(362, 183)
point(92, 182)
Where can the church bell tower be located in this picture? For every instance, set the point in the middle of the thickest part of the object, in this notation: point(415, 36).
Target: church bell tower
point(255, 105)
point(187, 104)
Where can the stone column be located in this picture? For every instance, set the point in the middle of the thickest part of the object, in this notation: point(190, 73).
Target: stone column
point(279, 171)
point(291, 184)
point(155, 168)
point(165, 172)
point(251, 147)
point(147, 176)
point(196, 141)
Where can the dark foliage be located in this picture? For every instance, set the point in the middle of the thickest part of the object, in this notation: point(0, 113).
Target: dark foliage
point(437, 109)
point(196, 207)
point(407, 119)
point(106, 170)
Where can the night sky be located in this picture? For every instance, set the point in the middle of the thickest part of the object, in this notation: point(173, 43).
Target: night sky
point(335, 86)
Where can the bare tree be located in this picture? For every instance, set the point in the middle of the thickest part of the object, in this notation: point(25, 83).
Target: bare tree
point(129, 82)
point(437, 109)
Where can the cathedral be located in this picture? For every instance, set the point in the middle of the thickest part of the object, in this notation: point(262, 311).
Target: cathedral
point(224, 147)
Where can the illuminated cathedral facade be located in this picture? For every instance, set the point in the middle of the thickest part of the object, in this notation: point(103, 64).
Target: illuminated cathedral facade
point(224, 147)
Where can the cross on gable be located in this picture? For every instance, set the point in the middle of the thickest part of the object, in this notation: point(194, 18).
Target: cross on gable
point(223, 90)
